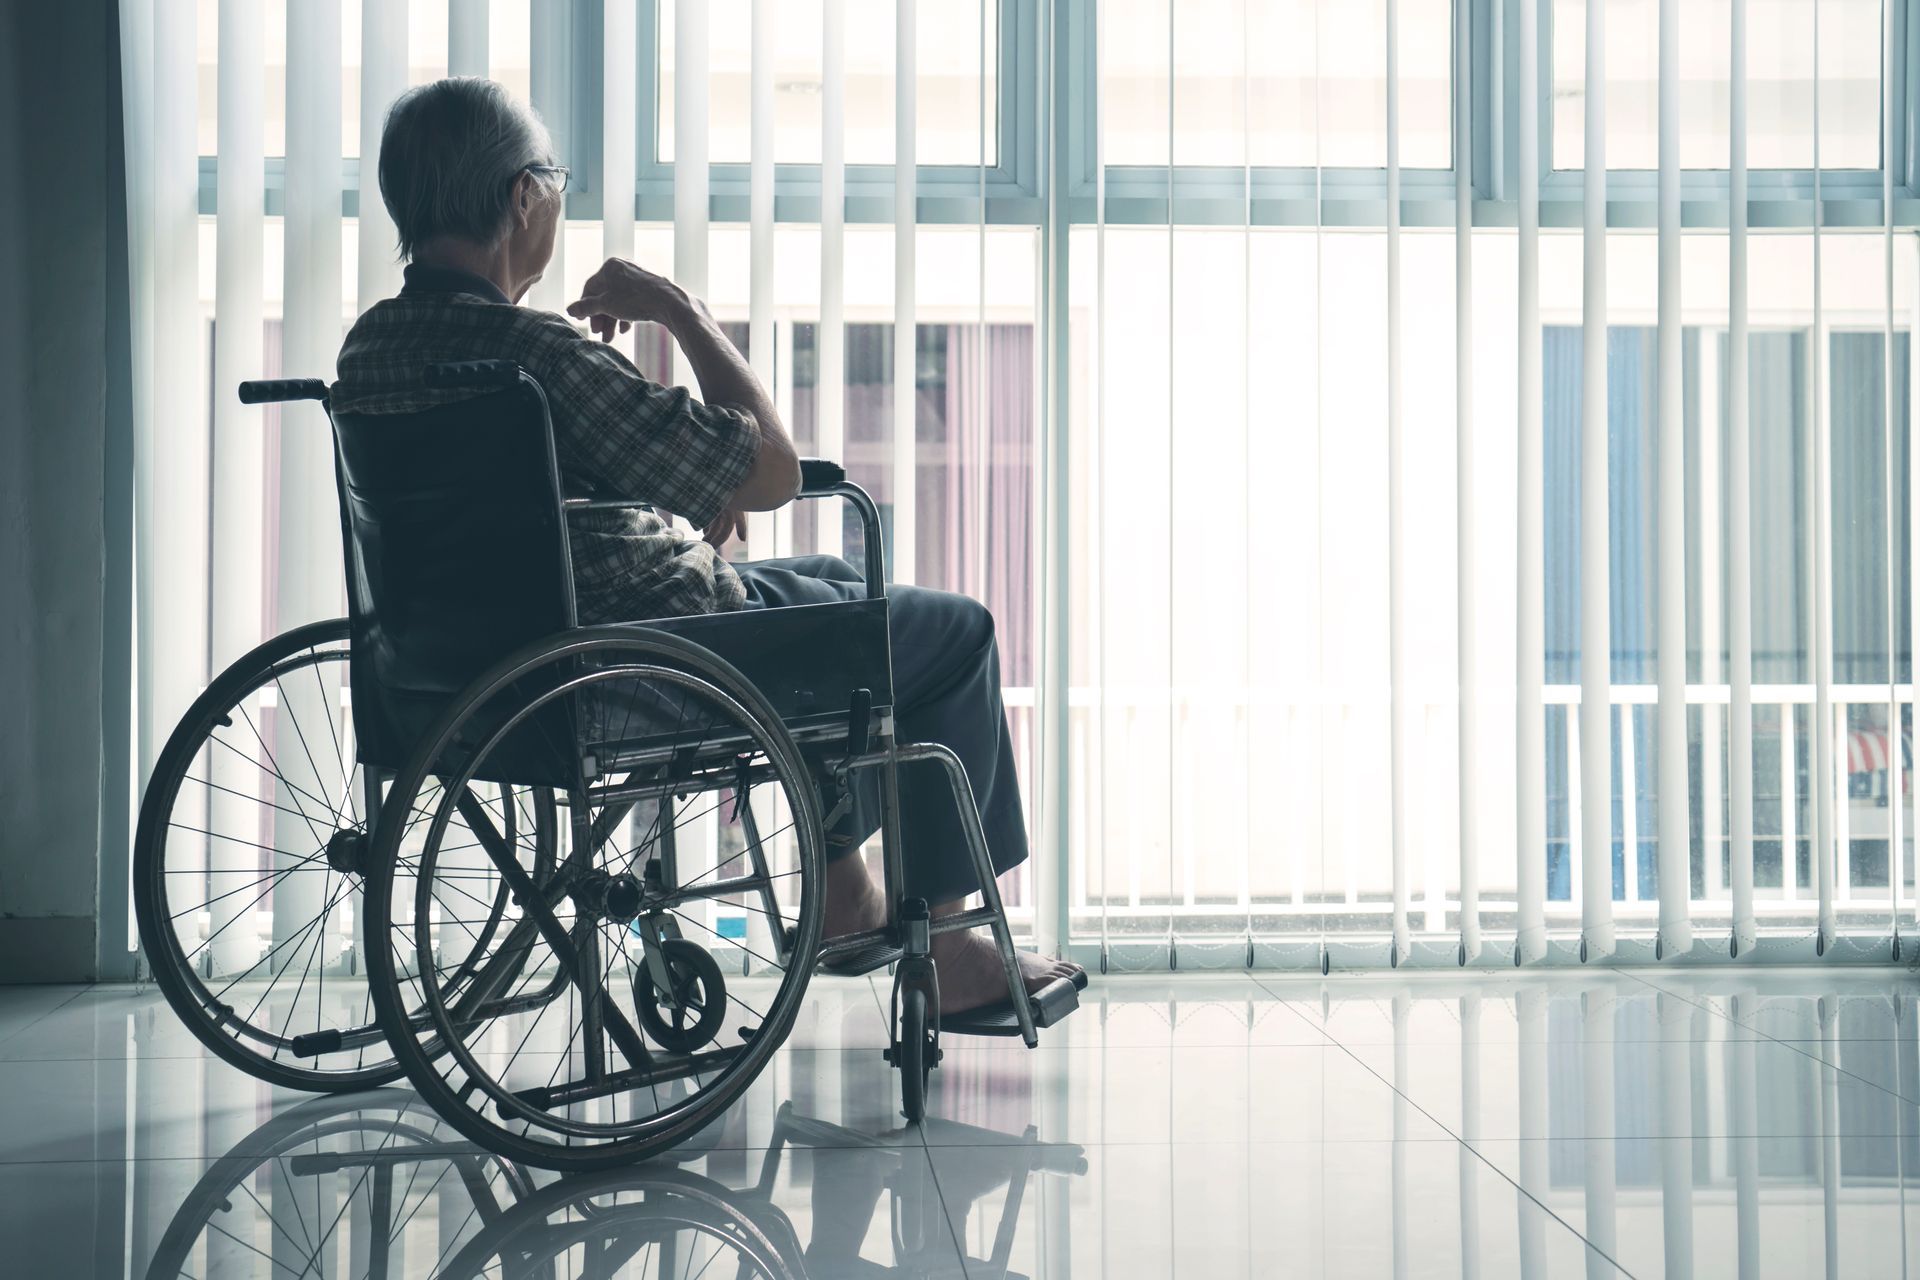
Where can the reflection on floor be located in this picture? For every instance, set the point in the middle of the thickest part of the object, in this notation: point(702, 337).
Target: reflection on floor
point(1758, 1123)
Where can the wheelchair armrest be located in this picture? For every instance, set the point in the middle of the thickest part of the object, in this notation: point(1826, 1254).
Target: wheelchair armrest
point(822, 478)
point(818, 476)
point(277, 390)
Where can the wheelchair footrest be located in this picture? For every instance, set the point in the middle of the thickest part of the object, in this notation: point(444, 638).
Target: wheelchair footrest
point(861, 960)
point(1049, 1005)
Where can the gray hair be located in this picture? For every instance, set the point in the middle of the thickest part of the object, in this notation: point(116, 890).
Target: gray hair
point(449, 155)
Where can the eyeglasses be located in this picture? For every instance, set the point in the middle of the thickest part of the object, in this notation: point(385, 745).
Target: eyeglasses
point(561, 170)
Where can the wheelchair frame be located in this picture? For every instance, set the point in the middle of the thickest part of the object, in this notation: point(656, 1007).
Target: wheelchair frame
point(903, 941)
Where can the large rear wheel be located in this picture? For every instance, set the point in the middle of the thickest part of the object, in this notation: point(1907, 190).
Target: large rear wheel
point(250, 862)
point(637, 987)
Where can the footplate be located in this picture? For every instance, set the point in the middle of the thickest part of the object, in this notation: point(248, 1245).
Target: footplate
point(1049, 1004)
point(855, 961)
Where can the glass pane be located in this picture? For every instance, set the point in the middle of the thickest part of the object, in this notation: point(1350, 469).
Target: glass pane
point(1780, 83)
point(1276, 82)
point(954, 41)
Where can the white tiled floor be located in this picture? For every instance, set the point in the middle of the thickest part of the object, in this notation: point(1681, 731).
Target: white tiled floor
point(1761, 1122)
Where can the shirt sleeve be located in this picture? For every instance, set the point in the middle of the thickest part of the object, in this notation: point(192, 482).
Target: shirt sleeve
point(637, 439)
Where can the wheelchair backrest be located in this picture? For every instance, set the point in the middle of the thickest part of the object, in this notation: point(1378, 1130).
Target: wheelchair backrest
point(456, 551)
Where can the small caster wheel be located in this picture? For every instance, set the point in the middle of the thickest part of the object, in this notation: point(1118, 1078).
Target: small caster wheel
point(915, 1054)
point(689, 1016)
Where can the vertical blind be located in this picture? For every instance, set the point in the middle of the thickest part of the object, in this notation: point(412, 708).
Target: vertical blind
point(1579, 630)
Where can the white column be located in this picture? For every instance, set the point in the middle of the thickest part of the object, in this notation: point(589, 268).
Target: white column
point(1530, 717)
point(550, 85)
point(239, 455)
point(1670, 715)
point(383, 77)
point(1739, 512)
point(1399, 713)
point(467, 37)
point(310, 583)
point(1824, 779)
point(689, 158)
point(620, 34)
point(831, 337)
point(760, 344)
point(905, 224)
point(1465, 505)
point(1596, 720)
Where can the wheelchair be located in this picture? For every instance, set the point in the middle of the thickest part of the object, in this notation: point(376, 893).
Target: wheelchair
point(565, 879)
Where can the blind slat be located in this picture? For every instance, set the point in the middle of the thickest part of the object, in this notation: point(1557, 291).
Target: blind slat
point(1739, 505)
point(1530, 726)
point(383, 77)
point(1824, 779)
point(830, 380)
point(467, 37)
point(549, 85)
point(171, 455)
point(1596, 718)
point(761, 526)
point(1400, 710)
point(905, 115)
point(1896, 791)
point(309, 579)
point(1674, 829)
point(239, 454)
point(239, 440)
point(619, 128)
point(1466, 508)
point(689, 158)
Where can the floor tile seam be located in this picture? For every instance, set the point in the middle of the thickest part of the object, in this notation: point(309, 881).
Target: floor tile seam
point(946, 1212)
point(1477, 1154)
point(1790, 1045)
point(71, 997)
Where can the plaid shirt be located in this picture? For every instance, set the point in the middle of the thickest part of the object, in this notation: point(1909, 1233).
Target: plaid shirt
point(615, 435)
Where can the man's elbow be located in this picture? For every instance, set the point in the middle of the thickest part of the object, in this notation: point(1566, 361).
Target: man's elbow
point(773, 482)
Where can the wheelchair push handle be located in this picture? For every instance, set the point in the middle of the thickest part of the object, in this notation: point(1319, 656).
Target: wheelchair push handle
point(279, 390)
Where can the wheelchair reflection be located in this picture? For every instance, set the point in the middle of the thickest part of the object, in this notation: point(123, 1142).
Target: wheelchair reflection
point(376, 1185)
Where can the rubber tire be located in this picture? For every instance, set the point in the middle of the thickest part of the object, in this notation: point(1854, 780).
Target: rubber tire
point(157, 941)
point(910, 1054)
point(655, 647)
point(682, 954)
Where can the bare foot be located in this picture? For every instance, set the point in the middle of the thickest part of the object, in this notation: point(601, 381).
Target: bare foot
point(972, 974)
point(853, 900)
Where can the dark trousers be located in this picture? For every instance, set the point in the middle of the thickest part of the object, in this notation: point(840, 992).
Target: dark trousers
point(946, 687)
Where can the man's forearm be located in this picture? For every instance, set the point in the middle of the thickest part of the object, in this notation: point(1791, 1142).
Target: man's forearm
point(724, 375)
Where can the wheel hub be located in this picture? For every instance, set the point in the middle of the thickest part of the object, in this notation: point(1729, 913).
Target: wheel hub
point(347, 851)
point(616, 898)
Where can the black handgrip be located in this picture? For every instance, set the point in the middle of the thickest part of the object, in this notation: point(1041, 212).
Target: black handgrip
point(473, 373)
point(275, 390)
point(818, 476)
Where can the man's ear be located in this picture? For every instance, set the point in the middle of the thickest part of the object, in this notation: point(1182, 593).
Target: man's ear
point(525, 196)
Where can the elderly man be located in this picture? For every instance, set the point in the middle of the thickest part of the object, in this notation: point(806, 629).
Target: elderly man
point(474, 188)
